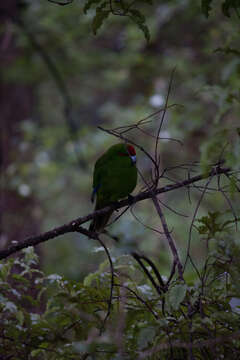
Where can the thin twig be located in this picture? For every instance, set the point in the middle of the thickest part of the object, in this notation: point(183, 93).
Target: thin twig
point(61, 3)
point(145, 225)
point(120, 136)
point(111, 285)
point(138, 258)
point(140, 299)
point(155, 270)
point(157, 156)
point(193, 219)
point(168, 236)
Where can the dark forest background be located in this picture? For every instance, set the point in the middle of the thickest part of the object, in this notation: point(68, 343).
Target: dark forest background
point(60, 81)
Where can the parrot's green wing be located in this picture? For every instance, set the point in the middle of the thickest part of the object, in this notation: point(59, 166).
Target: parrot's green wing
point(114, 177)
point(100, 165)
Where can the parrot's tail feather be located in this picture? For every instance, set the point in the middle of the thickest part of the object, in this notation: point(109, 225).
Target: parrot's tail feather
point(98, 223)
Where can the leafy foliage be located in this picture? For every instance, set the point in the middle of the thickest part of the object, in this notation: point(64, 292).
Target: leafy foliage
point(225, 144)
point(200, 318)
point(104, 8)
point(206, 7)
point(121, 8)
point(227, 5)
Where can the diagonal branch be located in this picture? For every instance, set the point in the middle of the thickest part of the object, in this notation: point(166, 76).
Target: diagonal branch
point(171, 243)
point(75, 225)
point(67, 2)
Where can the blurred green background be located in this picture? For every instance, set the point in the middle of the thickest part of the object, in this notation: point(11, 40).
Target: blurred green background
point(113, 79)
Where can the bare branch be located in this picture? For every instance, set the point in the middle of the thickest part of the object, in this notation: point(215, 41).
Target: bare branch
point(75, 225)
point(193, 219)
point(168, 236)
point(140, 299)
point(120, 136)
point(112, 282)
point(67, 2)
point(157, 156)
point(139, 258)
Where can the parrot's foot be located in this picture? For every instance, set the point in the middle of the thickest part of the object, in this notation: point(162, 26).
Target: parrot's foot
point(115, 203)
point(130, 199)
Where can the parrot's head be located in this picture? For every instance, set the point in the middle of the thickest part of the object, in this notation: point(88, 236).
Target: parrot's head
point(126, 150)
point(132, 153)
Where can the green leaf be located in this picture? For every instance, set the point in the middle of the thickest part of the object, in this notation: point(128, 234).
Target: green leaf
point(100, 16)
point(90, 278)
point(137, 15)
point(89, 4)
point(5, 269)
point(30, 256)
point(145, 337)
point(20, 317)
point(176, 295)
point(228, 50)
point(210, 224)
point(139, 19)
point(206, 7)
point(212, 149)
point(10, 306)
point(37, 352)
point(228, 5)
point(233, 186)
point(20, 279)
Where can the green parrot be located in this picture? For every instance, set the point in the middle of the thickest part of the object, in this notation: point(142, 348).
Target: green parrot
point(114, 177)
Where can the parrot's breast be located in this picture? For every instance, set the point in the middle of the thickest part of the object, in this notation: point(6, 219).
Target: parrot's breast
point(118, 180)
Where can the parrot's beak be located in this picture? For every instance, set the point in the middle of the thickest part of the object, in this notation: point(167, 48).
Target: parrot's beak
point(133, 159)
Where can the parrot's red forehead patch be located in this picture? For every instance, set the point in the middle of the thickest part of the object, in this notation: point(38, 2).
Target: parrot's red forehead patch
point(131, 150)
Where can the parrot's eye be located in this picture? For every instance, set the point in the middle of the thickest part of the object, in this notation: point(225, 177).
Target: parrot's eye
point(130, 151)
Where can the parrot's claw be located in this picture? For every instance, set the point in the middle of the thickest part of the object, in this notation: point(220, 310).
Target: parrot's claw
point(130, 199)
point(116, 203)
